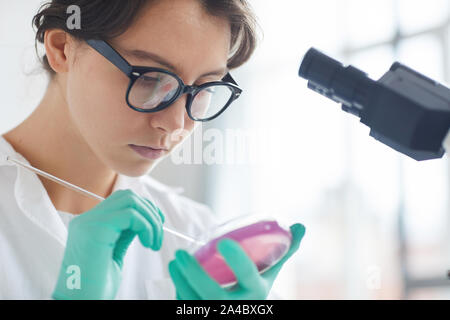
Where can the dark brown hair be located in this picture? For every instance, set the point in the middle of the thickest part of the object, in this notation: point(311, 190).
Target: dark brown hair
point(106, 19)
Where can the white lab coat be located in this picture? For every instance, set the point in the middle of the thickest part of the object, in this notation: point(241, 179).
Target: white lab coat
point(33, 235)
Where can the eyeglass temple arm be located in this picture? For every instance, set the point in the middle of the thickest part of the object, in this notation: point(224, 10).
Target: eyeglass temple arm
point(229, 78)
point(112, 55)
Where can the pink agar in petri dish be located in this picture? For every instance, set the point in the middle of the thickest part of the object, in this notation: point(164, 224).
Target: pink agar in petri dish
point(265, 242)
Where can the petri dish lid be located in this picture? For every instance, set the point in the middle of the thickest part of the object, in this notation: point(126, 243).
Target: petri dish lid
point(264, 240)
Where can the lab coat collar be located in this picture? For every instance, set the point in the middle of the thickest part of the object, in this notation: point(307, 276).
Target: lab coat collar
point(31, 196)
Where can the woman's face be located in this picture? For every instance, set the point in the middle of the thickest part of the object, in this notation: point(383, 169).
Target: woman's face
point(182, 34)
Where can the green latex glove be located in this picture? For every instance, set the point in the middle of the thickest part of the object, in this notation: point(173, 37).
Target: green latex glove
point(193, 283)
point(97, 243)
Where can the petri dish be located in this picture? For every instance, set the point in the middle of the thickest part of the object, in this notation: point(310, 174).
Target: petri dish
point(264, 240)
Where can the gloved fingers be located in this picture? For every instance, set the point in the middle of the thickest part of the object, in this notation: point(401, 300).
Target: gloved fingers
point(240, 263)
point(152, 215)
point(152, 209)
point(121, 247)
point(129, 199)
point(122, 199)
point(197, 277)
point(163, 218)
point(134, 200)
point(111, 201)
point(109, 204)
point(184, 290)
point(298, 231)
point(131, 219)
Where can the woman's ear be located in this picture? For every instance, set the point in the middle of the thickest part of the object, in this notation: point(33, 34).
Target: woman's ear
point(57, 45)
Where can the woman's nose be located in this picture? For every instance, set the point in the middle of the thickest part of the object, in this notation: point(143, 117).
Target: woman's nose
point(172, 118)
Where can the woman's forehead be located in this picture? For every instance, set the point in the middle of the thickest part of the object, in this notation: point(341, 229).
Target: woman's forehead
point(181, 32)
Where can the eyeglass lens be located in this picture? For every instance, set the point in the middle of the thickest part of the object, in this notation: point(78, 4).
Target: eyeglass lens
point(154, 88)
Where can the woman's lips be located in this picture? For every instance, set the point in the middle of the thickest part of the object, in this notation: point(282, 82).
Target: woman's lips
point(147, 152)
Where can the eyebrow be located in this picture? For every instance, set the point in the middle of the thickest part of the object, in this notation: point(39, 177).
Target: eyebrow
point(145, 55)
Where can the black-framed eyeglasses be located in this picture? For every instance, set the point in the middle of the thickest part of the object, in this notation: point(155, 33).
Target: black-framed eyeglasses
point(154, 89)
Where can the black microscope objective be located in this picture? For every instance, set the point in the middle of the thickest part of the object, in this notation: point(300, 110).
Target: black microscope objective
point(404, 109)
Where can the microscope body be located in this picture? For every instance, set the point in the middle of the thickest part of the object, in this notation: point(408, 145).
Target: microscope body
point(446, 143)
point(404, 109)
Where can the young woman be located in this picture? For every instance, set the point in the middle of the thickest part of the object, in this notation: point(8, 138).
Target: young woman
point(125, 88)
